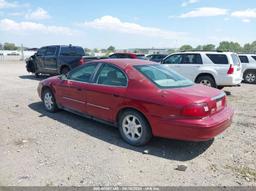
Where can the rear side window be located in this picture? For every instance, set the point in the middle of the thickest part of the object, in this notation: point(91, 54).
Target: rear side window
point(218, 58)
point(244, 59)
point(235, 59)
point(254, 57)
point(191, 59)
point(111, 76)
point(72, 51)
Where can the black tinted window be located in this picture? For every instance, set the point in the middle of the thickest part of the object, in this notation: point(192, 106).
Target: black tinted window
point(191, 59)
point(41, 51)
point(51, 51)
point(218, 58)
point(71, 51)
point(112, 76)
point(254, 57)
point(244, 59)
point(83, 73)
point(174, 59)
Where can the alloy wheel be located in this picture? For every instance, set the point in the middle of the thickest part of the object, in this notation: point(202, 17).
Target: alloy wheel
point(250, 77)
point(206, 83)
point(132, 127)
point(48, 101)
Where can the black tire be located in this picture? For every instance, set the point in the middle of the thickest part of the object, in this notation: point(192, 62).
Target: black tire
point(53, 108)
point(64, 70)
point(206, 80)
point(250, 76)
point(220, 87)
point(144, 130)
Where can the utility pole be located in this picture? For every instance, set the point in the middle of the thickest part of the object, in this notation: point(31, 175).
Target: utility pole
point(22, 52)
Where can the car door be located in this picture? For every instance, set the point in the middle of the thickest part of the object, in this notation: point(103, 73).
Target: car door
point(39, 58)
point(106, 94)
point(190, 65)
point(50, 59)
point(73, 90)
point(173, 61)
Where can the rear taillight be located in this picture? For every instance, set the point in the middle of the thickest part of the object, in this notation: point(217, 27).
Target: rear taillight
point(81, 61)
point(231, 69)
point(196, 110)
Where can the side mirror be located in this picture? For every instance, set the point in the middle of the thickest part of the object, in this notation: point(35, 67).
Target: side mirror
point(63, 77)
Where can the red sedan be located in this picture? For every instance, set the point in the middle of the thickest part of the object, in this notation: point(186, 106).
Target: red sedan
point(141, 98)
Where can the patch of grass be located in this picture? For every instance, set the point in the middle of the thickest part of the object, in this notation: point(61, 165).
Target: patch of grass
point(245, 172)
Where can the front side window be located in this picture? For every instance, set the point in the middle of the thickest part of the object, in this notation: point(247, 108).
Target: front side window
point(41, 51)
point(218, 58)
point(174, 59)
point(244, 59)
point(111, 76)
point(83, 73)
point(51, 51)
point(163, 76)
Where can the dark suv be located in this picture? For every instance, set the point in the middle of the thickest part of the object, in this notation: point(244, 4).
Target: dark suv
point(55, 59)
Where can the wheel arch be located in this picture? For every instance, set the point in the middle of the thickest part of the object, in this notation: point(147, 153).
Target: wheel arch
point(122, 110)
point(206, 74)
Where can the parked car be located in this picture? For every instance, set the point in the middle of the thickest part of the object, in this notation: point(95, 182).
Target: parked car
point(13, 54)
point(55, 59)
point(248, 67)
point(113, 91)
point(127, 55)
point(214, 69)
point(156, 57)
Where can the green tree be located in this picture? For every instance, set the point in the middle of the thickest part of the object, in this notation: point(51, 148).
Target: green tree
point(229, 46)
point(186, 47)
point(208, 47)
point(199, 47)
point(111, 49)
point(10, 46)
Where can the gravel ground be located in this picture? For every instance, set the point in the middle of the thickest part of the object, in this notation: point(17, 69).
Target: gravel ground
point(38, 148)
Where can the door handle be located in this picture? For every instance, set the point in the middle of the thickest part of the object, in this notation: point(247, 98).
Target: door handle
point(79, 89)
point(115, 95)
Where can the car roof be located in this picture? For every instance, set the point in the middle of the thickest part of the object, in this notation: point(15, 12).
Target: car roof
point(204, 52)
point(124, 63)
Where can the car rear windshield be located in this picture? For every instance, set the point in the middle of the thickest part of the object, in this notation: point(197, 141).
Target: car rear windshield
point(163, 76)
point(218, 58)
point(72, 51)
point(235, 59)
point(244, 59)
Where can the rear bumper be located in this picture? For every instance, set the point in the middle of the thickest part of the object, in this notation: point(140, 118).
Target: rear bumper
point(230, 81)
point(195, 129)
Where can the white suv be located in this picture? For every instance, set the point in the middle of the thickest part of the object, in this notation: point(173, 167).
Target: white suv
point(248, 67)
point(215, 69)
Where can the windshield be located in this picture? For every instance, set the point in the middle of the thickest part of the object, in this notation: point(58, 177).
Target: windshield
point(163, 76)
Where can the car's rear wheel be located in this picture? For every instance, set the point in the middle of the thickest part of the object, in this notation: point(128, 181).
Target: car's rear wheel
point(134, 128)
point(250, 77)
point(49, 101)
point(64, 70)
point(206, 80)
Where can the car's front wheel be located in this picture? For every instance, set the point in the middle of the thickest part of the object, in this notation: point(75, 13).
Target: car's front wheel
point(134, 128)
point(250, 76)
point(49, 101)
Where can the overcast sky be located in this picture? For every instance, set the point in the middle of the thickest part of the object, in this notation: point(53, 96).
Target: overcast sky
point(127, 23)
